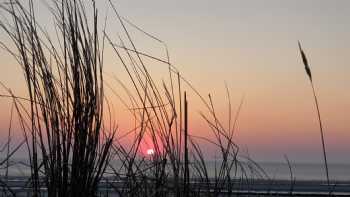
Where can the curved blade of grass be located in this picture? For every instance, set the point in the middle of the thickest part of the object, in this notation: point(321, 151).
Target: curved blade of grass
point(308, 72)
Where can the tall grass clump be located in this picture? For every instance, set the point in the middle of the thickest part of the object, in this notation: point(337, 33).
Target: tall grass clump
point(62, 118)
point(178, 166)
point(309, 74)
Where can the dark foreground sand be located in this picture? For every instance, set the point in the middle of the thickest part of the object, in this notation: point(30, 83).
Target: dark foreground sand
point(251, 188)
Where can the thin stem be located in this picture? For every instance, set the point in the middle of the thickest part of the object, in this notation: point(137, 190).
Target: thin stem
point(321, 130)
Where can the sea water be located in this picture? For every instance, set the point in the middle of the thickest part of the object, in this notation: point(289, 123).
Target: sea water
point(307, 171)
point(271, 170)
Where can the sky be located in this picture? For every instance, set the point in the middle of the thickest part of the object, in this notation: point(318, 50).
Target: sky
point(252, 47)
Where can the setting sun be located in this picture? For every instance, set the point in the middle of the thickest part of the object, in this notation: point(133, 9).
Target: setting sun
point(150, 151)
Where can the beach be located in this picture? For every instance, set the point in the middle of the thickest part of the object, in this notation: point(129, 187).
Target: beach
point(107, 187)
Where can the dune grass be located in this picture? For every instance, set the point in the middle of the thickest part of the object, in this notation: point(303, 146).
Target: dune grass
point(68, 146)
point(309, 74)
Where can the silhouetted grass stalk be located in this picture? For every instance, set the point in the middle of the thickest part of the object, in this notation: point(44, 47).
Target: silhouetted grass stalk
point(308, 72)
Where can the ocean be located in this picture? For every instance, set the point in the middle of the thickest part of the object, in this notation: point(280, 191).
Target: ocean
point(300, 171)
point(306, 171)
point(273, 170)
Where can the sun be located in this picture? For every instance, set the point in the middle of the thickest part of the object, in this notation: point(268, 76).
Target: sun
point(150, 151)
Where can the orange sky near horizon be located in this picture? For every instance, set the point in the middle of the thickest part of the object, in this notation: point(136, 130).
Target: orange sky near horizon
point(252, 47)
